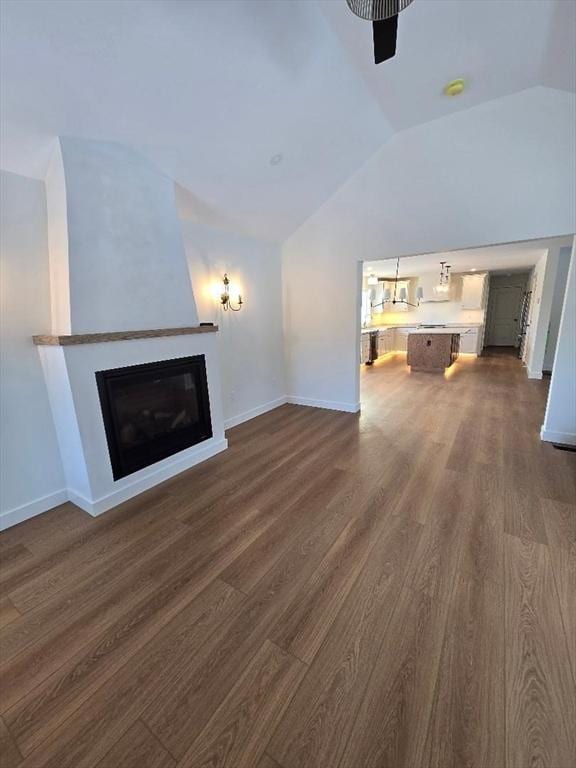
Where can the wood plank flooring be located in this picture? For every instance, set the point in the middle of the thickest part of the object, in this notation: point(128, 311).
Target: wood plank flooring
point(394, 589)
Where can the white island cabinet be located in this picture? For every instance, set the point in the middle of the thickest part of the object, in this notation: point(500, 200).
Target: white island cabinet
point(401, 337)
point(468, 340)
point(385, 341)
point(471, 337)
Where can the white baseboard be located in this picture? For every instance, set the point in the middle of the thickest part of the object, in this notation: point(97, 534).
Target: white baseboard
point(96, 507)
point(533, 374)
point(253, 412)
point(562, 438)
point(331, 405)
point(19, 514)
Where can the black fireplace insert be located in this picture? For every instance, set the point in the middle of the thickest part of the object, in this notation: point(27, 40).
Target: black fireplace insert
point(154, 410)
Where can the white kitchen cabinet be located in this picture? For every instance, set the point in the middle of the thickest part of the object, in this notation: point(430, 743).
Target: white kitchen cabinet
point(473, 287)
point(396, 340)
point(469, 340)
point(385, 341)
point(382, 342)
point(401, 338)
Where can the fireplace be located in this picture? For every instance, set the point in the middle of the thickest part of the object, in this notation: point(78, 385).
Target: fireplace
point(145, 421)
point(153, 411)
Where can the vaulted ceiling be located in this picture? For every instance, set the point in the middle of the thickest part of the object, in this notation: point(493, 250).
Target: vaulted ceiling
point(213, 90)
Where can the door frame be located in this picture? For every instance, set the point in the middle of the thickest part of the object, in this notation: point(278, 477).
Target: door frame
point(513, 280)
point(547, 241)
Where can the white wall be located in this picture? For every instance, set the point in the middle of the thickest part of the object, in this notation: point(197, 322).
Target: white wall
point(31, 475)
point(251, 342)
point(501, 172)
point(556, 312)
point(542, 286)
point(560, 419)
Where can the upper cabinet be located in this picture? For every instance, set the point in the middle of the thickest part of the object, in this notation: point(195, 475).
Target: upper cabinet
point(473, 288)
point(468, 290)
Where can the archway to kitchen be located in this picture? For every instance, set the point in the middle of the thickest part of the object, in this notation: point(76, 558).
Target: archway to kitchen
point(433, 325)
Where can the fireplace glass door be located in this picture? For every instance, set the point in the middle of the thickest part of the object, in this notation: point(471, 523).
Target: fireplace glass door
point(154, 410)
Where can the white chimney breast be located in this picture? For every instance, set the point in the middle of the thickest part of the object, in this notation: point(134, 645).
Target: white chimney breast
point(126, 260)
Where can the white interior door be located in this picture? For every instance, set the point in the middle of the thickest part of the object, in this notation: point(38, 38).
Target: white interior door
point(504, 320)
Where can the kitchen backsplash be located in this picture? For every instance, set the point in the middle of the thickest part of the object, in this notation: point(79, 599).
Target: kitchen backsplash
point(441, 312)
point(431, 312)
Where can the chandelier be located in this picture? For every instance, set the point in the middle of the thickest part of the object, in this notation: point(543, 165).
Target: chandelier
point(399, 296)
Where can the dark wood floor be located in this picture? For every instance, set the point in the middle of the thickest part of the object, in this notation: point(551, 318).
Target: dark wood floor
point(390, 590)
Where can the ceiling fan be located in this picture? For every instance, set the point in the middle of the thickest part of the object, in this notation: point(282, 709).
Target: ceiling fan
point(384, 17)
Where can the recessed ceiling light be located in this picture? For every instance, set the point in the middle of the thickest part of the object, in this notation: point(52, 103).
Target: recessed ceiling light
point(276, 159)
point(473, 269)
point(455, 87)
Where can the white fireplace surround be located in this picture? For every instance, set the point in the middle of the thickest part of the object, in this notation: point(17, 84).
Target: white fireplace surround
point(117, 265)
point(70, 378)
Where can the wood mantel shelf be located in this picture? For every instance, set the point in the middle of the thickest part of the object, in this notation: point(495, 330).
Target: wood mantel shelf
point(99, 338)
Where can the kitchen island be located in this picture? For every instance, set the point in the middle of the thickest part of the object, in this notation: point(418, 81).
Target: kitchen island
point(431, 349)
point(379, 340)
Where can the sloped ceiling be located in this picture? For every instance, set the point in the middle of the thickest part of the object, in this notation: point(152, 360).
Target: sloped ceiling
point(212, 90)
point(498, 46)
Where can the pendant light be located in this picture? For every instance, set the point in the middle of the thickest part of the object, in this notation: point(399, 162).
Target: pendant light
point(444, 284)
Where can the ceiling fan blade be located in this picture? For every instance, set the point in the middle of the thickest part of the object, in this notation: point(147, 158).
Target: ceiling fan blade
point(385, 38)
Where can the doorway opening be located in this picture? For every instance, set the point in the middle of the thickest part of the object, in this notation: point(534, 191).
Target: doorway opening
point(508, 310)
point(498, 302)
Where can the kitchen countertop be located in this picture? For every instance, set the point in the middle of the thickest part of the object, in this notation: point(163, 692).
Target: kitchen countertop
point(446, 329)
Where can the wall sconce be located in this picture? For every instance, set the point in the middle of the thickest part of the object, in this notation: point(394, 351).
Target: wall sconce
point(225, 297)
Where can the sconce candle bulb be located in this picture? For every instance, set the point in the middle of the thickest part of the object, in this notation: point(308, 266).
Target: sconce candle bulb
point(225, 297)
